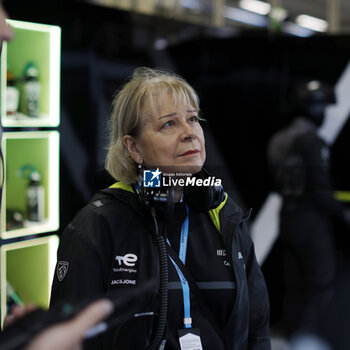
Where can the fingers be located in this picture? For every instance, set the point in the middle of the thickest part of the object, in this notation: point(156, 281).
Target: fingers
point(91, 315)
point(17, 312)
point(6, 32)
point(69, 335)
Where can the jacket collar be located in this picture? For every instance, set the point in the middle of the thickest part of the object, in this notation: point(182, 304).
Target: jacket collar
point(228, 213)
point(124, 193)
point(123, 186)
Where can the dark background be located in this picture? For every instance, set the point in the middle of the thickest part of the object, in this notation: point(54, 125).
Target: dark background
point(243, 80)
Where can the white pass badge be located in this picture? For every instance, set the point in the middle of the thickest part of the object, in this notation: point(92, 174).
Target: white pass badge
point(190, 339)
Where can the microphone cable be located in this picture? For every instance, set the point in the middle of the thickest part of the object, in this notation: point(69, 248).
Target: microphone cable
point(159, 339)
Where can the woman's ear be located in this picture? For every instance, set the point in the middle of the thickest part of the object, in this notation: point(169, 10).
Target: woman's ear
point(130, 143)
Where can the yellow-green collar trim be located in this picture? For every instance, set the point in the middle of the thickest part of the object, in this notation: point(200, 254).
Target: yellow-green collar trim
point(122, 186)
point(214, 213)
point(343, 196)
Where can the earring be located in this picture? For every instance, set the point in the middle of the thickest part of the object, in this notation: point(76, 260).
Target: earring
point(139, 170)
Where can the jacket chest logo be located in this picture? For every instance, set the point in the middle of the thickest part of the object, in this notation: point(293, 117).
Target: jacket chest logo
point(124, 270)
point(127, 260)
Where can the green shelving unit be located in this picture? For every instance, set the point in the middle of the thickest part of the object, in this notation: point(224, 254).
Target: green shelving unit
point(28, 266)
point(28, 248)
point(40, 44)
point(39, 150)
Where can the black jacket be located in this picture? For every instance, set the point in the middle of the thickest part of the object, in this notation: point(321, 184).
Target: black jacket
point(110, 246)
point(311, 176)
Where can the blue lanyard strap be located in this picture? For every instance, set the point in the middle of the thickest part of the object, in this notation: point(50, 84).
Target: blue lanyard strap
point(184, 284)
point(186, 296)
point(184, 238)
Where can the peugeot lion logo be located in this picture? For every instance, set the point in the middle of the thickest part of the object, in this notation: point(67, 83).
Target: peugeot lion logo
point(62, 269)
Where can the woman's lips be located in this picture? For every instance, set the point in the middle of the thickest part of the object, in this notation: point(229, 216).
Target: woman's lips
point(189, 153)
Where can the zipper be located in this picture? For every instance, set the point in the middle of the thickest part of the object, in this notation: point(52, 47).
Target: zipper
point(237, 273)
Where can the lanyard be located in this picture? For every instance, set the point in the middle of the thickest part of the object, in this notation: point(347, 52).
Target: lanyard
point(184, 283)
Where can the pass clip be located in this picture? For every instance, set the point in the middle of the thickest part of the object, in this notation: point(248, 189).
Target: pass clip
point(190, 339)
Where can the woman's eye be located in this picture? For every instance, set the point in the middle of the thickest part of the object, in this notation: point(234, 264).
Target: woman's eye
point(168, 124)
point(194, 118)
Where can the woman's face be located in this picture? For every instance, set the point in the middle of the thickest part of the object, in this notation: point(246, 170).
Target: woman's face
point(171, 139)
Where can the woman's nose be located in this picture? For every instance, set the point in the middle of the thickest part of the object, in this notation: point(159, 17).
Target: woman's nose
point(188, 134)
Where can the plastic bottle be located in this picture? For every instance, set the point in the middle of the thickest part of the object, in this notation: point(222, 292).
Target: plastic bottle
point(35, 198)
point(12, 94)
point(31, 91)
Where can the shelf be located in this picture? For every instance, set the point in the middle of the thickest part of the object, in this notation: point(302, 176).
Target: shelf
point(27, 251)
point(29, 267)
point(41, 44)
point(39, 150)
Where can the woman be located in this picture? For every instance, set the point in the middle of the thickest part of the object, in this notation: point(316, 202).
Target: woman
point(209, 283)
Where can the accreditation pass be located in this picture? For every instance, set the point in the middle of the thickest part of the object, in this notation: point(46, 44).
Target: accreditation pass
point(190, 339)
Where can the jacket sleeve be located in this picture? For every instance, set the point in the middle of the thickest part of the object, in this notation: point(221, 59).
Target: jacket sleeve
point(79, 272)
point(259, 307)
point(316, 156)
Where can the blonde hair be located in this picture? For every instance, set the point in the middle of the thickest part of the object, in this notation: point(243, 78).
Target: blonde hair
point(141, 92)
